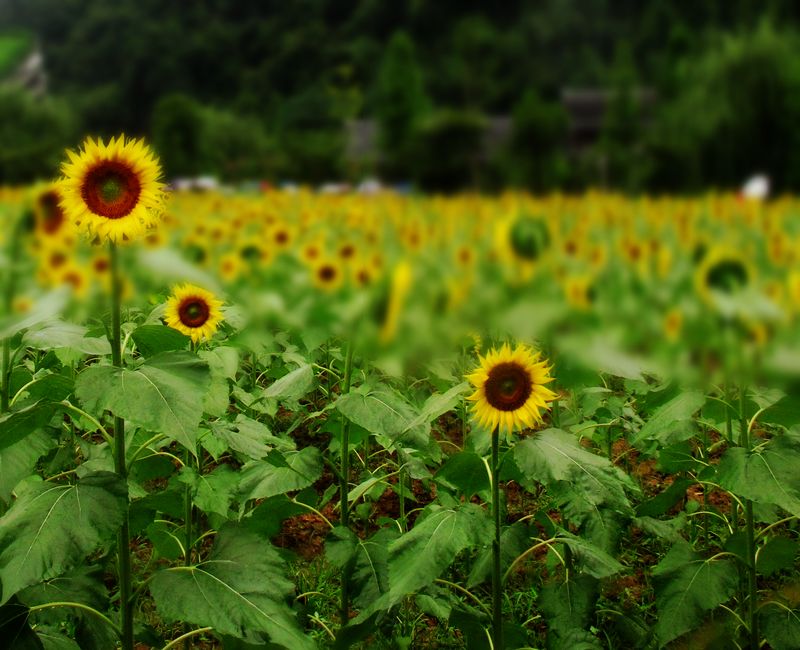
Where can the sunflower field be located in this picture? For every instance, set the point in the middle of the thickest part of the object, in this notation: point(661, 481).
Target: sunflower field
point(287, 419)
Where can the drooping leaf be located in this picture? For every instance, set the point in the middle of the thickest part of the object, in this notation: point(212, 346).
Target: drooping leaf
point(152, 339)
point(419, 556)
point(51, 387)
point(18, 425)
point(466, 472)
point(248, 437)
point(568, 607)
point(590, 558)
point(240, 590)
point(365, 561)
point(767, 475)
point(51, 528)
point(58, 334)
point(584, 481)
point(687, 586)
point(778, 554)
point(212, 492)
point(292, 386)
point(671, 422)
point(15, 629)
point(385, 414)
point(280, 473)
point(781, 626)
point(165, 394)
point(18, 460)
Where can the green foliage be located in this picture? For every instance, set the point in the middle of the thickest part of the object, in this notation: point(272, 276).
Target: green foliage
point(51, 528)
point(688, 586)
point(33, 135)
point(164, 394)
point(240, 590)
point(446, 149)
point(767, 475)
point(535, 152)
point(400, 102)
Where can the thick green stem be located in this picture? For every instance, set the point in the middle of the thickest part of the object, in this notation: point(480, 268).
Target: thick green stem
point(187, 537)
point(344, 470)
point(120, 466)
point(752, 585)
point(497, 576)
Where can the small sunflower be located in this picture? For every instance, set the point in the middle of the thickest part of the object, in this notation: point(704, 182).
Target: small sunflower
point(193, 311)
point(112, 189)
point(327, 275)
point(48, 213)
point(510, 391)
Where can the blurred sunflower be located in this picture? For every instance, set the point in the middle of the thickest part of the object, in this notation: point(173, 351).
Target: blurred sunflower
point(194, 312)
point(112, 189)
point(48, 213)
point(723, 270)
point(510, 391)
point(327, 275)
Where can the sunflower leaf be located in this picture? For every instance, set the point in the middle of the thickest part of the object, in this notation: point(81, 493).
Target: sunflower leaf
point(51, 528)
point(164, 394)
point(240, 590)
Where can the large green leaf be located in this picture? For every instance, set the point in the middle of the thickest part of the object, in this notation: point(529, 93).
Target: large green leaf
point(386, 414)
point(18, 425)
point(280, 473)
point(584, 481)
point(687, 586)
point(781, 625)
point(364, 561)
point(240, 590)
point(212, 492)
point(671, 422)
point(248, 437)
point(292, 386)
point(767, 475)
point(420, 556)
point(58, 334)
point(51, 528)
point(568, 607)
point(18, 460)
point(152, 339)
point(165, 394)
point(47, 307)
point(466, 472)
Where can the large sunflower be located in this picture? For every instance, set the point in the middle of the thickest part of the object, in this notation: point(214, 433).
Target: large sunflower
point(112, 189)
point(194, 312)
point(510, 391)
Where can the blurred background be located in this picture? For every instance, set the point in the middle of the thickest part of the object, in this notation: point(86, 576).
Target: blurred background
point(658, 96)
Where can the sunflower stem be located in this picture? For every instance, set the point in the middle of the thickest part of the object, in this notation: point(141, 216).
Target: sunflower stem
point(124, 537)
point(752, 585)
point(497, 576)
point(344, 608)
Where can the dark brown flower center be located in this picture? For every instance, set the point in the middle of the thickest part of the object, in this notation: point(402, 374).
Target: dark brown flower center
point(111, 189)
point(327, 273)
point(193, 312)
point(52, 214)
point(508, 386)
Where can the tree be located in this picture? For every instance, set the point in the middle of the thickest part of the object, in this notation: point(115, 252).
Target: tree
point(400, 103)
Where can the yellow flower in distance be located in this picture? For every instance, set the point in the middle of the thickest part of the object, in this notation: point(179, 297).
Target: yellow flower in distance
point(510, 391)
point(112, 189)
point(193, 311)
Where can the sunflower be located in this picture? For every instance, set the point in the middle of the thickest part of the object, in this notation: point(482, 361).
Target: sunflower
point(327, 274)
point(510, 391)
point(725, 271)
point(48, 213)
point(194, 312)
point(112, 189)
